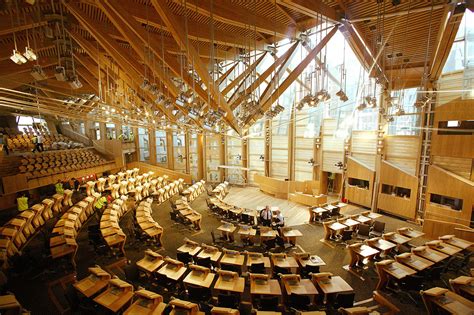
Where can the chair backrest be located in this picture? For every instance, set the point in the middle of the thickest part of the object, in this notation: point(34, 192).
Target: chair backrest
point(227, 300)
point(345, 299)
point(268, 303)
point(204, 262)
point(257, 267)
point(364, 229)
point(346, 235)
point(299, 301)
point(379, 226)
point(184, 257)
point(131, 273)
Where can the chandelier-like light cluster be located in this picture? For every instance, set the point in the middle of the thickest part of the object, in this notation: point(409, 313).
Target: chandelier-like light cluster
point(19, 59)
point(275, 111)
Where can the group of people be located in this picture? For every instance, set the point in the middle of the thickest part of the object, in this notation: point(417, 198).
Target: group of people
point(266, 218)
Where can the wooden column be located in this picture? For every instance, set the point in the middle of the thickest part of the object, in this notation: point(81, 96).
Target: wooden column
point(187, 136)
point(245, 156)
point(200, 153)
point(152, 146)
point(291, 145)
point(222, 157)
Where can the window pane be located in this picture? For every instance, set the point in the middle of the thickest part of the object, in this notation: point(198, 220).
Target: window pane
point(160, 143)
point(143, 145)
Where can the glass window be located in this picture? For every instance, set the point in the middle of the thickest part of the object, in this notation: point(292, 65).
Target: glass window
point(407, 124)
point(256, 150)
point(97, 130)
point(234, 158)
point(143, 144)
point(307, 128)
point(82, 128)
point(462, 51)
point(160, 143)
point(213, 158)
point(179, 152)
point(30, 124)
point(127, 134)
point(193, 156)
point(110, 131)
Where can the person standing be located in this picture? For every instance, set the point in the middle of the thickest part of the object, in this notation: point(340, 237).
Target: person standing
point(22, 202)
point(39, 142)
point(266, 216)
point(59, 187)
point(35, 142)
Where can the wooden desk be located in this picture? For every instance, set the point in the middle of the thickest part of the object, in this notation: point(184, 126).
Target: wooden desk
point(443, 247)
point(172, 271)
point(258, 258)
point(9, 304)
point(451, 302)
point(396, 238)
point(337, 227)
point(358, 252)
point(115, 297)
point(290, 235)
point(94, 283)
point(260, 286)
point(212, 253)
point(287, 262)
point(409, 232)
point(363, 219)
point(398, 270)
point(151, 262)
point(458, 242)
point(195, 219)
point(301, 287)
point(332, 285)
point(464, 284)
point(147, 302)
point(199, 278)
point(310, 260)
point(350, 223)
point(227, 230)
point(382, 245)
point(224, 311)
point(414, 261)
point(373, 215)
point(230, 283)
point(429, 254)
point(233, 259)
point(191, 249)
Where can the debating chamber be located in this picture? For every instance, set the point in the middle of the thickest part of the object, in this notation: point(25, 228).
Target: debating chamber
point(226, 157)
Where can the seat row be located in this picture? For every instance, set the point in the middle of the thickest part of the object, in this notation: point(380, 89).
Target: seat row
point(17, 231)
point(193, 191)
point(24, 141)
point(182, 212)
point(110, 229)
point(221, 190)
point(63, 238)
point(149, 227)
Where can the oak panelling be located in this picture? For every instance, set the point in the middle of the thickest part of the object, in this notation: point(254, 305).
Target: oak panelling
point(459, 166)
point(450, 82)
point(402, 151)
point(356, 169)
point(333, 148)
point(453, 145)
point(394, 176)
point(437, 228)
point(446, 183)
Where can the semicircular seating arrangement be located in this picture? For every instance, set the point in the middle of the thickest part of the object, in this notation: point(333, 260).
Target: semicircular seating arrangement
point(193, 191)
point(221, 190)
point(63, 239)
point(148, 226)
point(50, 163)
point(110, 229)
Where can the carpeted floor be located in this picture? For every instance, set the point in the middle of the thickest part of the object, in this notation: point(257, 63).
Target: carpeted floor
point(33, 272)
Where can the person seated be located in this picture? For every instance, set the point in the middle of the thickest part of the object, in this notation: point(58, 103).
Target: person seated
point(266, 216)
point(279, 220)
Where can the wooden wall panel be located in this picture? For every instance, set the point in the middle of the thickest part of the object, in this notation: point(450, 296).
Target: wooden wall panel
point(451, 81)
point(360, 196)
point(459, 166)
point(453, 145)
point(364, 146)
point(331, 158)
point(445, 183)
point(402, 151)
point(332, 147)
point(392, 175)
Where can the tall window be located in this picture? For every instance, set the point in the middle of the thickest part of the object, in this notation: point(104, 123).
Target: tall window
point(234, 157)
point(143, 144)
point(213, 155)
point(256, 150)
point(179, 152)
point(193, 156)
point(160, 140)
point(97, 130)
point(26, 122)
point(407, 124)
point(82, 128)
point(307, 127)
point(127, 134)
point(462, 52)
point(110, 131)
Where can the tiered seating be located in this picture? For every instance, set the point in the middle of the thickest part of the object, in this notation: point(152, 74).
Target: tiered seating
point(193, 191)
point(43, 164)
point(182, 212)
point(147, 224)
point(15, 233)
point(63, 240)
point(109, 225)
point(23, 141)
point(221, 190)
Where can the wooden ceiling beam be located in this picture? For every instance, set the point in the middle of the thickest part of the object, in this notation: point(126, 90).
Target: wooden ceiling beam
point(279, 73)
point(313, 9)
point(241, 77)
point(227, 12)
point(131, 66)
point(297, 71)
point(8, 68)
point(7, 28)
point(446, 36)
point(179, 35)
point(261, 78)
point(227, 73)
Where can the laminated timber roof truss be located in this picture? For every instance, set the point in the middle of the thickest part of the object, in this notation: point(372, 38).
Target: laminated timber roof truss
point(118, 44)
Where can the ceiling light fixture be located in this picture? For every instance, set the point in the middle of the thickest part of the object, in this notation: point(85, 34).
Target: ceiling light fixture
point(17, 58)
